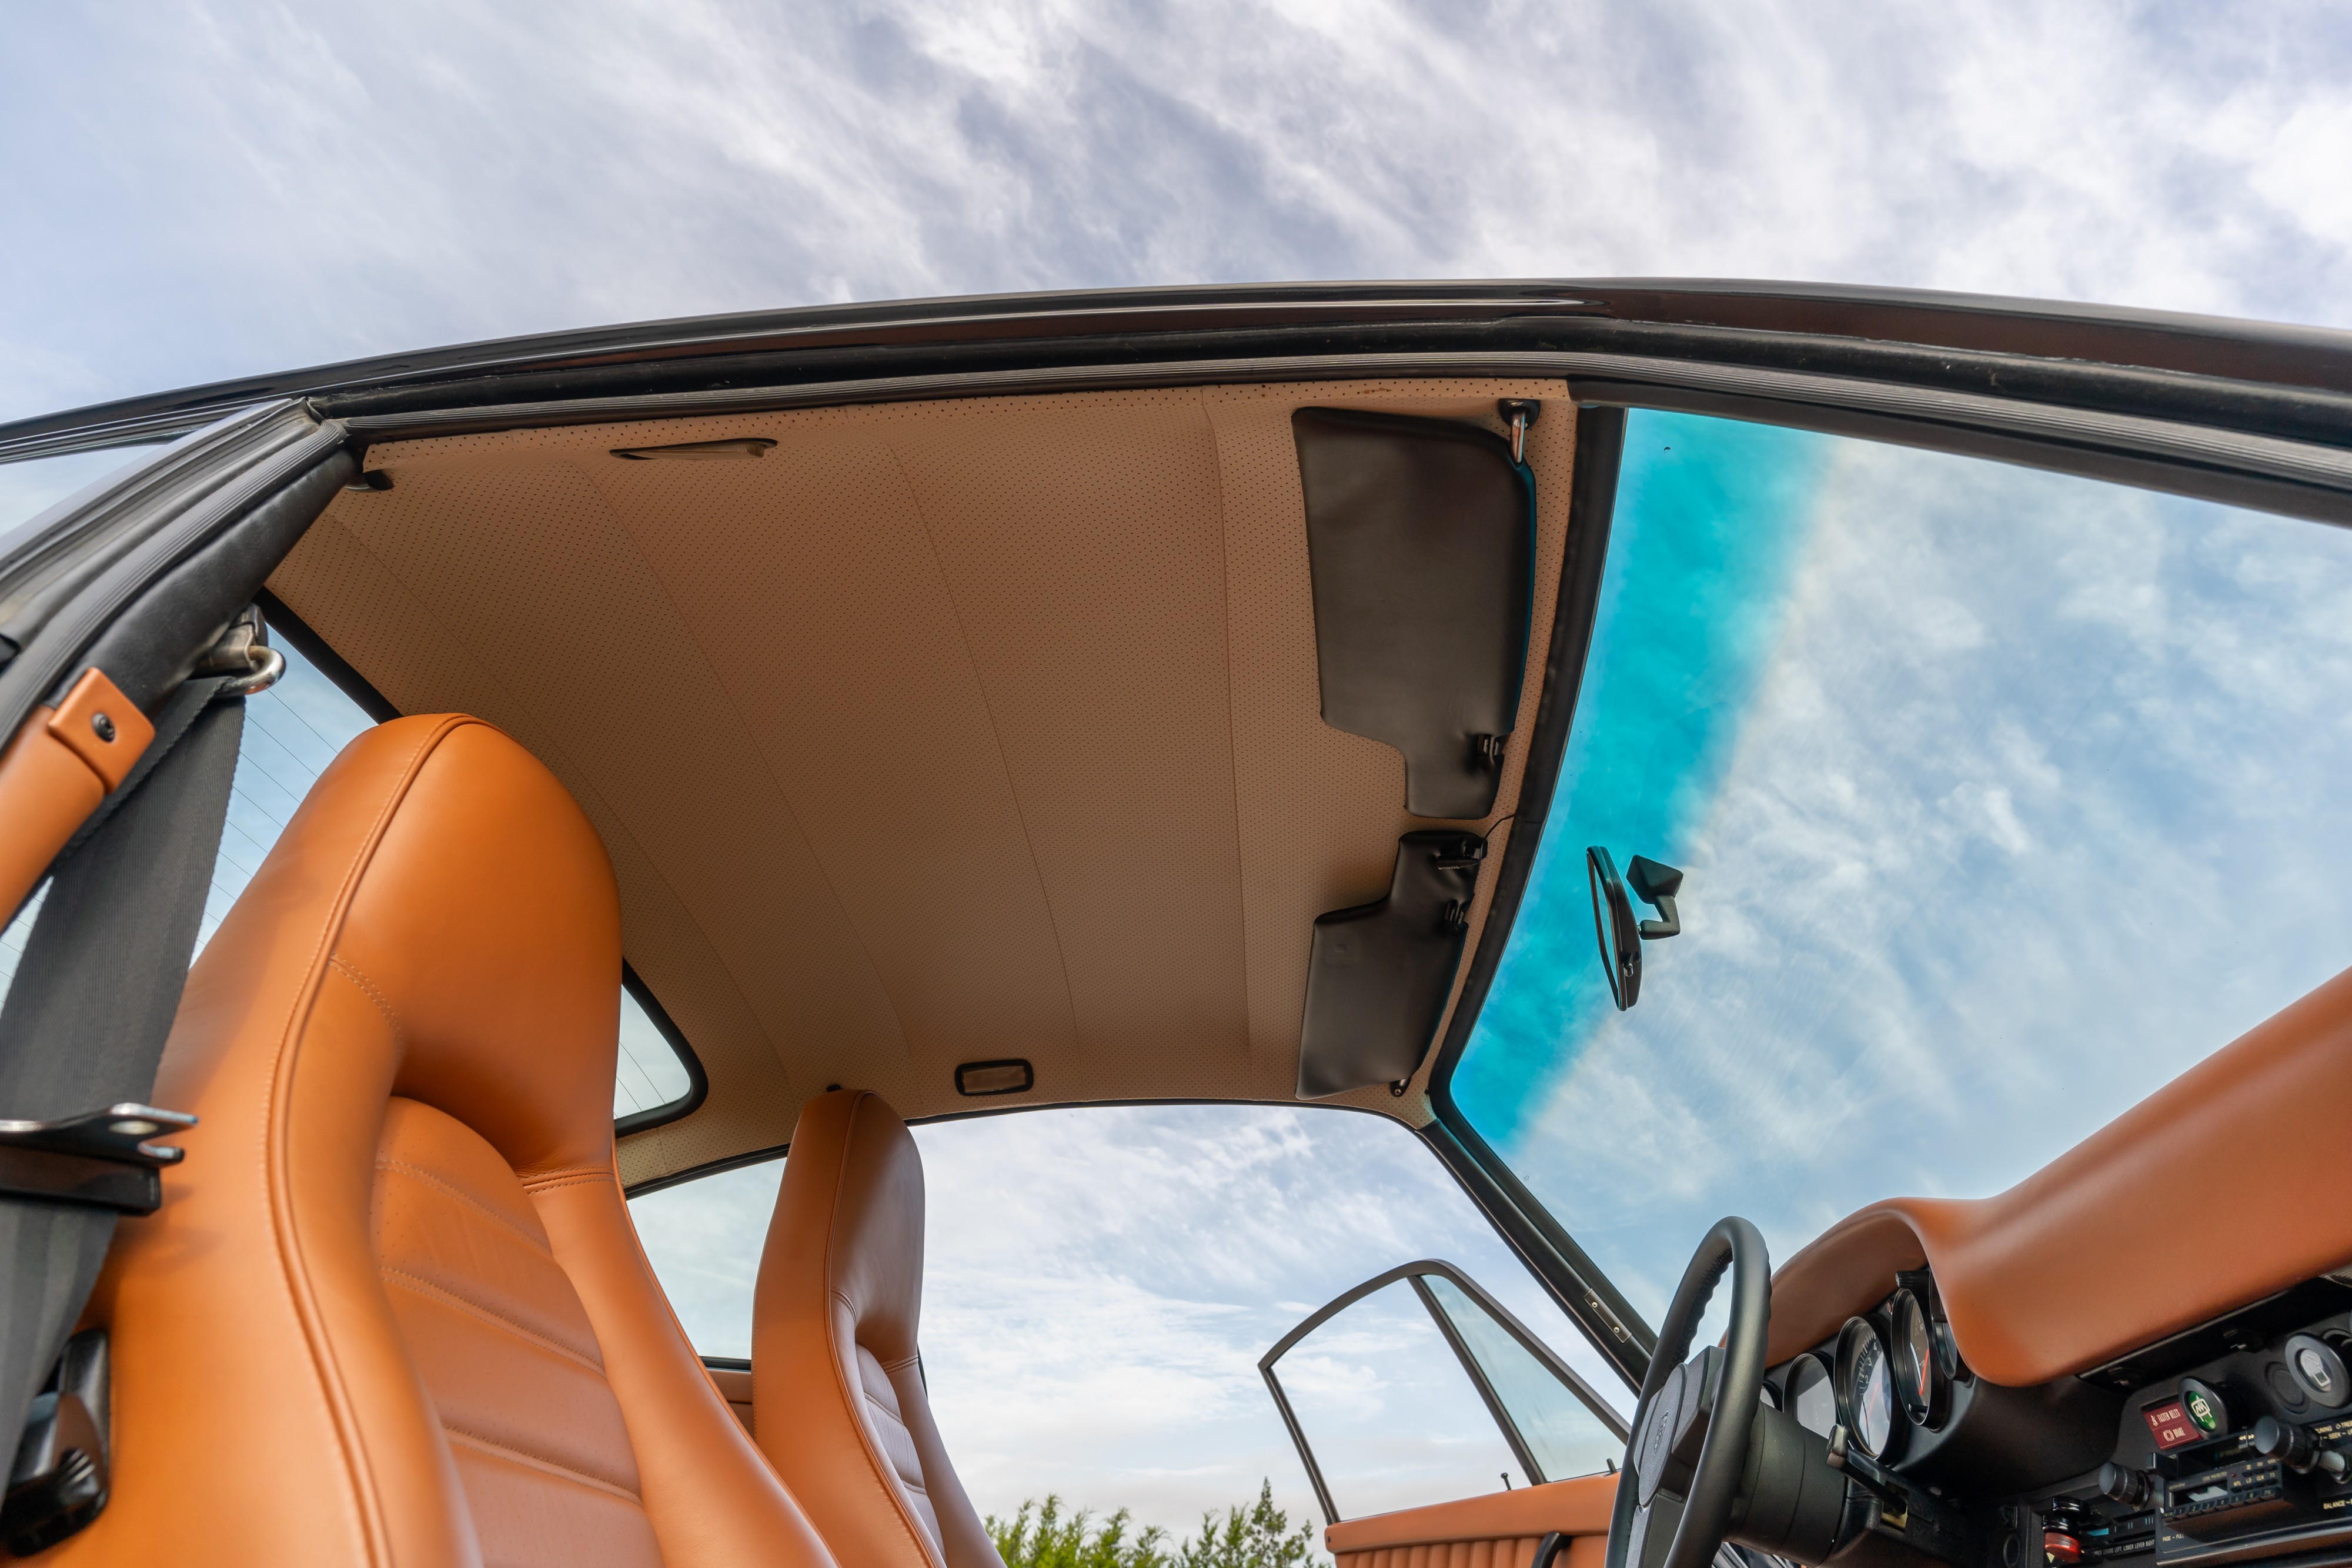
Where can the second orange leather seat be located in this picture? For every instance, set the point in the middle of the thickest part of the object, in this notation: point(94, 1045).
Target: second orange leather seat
point(836, 1378)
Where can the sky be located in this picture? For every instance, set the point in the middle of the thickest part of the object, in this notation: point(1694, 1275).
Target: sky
point(204, 191)
point(199, 192)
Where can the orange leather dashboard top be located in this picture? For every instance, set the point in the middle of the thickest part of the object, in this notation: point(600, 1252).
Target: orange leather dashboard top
point(1577, 1507)
point(2084, 1260)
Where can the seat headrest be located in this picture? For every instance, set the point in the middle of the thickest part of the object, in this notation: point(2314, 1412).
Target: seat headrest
point(450, 873)
point(850, 1220)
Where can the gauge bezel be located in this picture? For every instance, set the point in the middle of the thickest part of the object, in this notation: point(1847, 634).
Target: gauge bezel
point(1922, 1393)
point(1857, 1332)
point(1789, 1392)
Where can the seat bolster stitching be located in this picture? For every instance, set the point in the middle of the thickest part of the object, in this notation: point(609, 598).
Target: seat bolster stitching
point(392, 1163)
point(537, 1461)
point(900, 1364)
point(881, 1465)
point(565, 1178)
point(534, 1177)
point(427, 1287)
point(352, 973)
point(292, 1264)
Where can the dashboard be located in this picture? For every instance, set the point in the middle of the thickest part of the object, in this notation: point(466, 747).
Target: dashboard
point(2228, 1442)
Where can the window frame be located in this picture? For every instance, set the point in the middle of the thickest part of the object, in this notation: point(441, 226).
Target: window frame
point(698, 1081)
point(1415, 1273)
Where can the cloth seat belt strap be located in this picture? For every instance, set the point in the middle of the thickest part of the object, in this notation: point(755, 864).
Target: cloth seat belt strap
point(93, 999)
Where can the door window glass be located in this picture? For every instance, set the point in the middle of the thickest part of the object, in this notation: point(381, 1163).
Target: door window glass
point(1563, 1436)
point(1392, 1417)
point(651, 1074)
point(704, 1239)
point(31, 486)
point(1999, 797)
point(1371, 1387)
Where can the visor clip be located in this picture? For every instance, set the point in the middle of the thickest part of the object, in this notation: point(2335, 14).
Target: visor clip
point(1518, 412)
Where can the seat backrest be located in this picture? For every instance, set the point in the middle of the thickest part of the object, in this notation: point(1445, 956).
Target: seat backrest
point(393, 1311)
point(836, 1378)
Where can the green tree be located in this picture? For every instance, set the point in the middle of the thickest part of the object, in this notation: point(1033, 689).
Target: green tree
point(1261, 1538)
point(1052, 1540)
point(1256, 1536)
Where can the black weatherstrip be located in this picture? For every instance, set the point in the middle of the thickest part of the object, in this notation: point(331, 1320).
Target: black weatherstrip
point(1580, 1287)
point(698, 1082)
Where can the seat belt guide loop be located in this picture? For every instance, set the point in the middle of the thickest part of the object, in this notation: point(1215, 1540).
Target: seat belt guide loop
point(100, 1159)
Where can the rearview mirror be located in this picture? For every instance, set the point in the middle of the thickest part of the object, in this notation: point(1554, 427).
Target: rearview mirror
point(1620, 934)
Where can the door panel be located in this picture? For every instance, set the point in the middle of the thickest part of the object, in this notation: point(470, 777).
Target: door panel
point(1500, 1530)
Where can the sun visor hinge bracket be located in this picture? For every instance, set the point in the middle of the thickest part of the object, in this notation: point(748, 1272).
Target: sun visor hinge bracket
point(1378, 975)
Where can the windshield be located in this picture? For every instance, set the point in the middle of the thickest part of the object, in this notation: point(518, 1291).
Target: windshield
point(2001, 797)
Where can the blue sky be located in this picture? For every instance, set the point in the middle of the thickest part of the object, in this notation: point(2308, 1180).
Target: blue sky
point(204, 191)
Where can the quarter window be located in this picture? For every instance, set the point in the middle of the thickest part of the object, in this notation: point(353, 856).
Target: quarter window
point(291, 732)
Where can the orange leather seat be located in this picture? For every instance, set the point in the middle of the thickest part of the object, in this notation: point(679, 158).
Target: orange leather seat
point(836, 1379)
point(393, 1311)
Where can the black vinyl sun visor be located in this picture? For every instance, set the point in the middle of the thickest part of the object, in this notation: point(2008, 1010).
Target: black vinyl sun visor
point(1421, 534)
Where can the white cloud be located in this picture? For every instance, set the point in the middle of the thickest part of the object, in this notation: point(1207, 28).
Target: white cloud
point(204, 189)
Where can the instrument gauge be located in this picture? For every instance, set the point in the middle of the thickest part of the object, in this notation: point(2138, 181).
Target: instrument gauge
point(1865, 1389)
point(1812, 1397)
point(1921, 1388)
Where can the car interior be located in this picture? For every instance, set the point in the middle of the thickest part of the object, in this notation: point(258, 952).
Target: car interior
point(1815, 806)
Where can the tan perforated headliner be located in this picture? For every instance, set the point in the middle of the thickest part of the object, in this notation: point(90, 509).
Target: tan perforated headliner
point(944, 731)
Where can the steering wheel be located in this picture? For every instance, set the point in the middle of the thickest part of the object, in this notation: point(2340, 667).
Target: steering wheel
point(1683, 1466)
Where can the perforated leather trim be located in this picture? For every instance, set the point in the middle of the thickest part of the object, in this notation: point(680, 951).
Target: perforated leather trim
point(981, 727)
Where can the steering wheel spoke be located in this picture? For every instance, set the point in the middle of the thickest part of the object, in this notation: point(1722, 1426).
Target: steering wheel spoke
point(1683, 1466)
